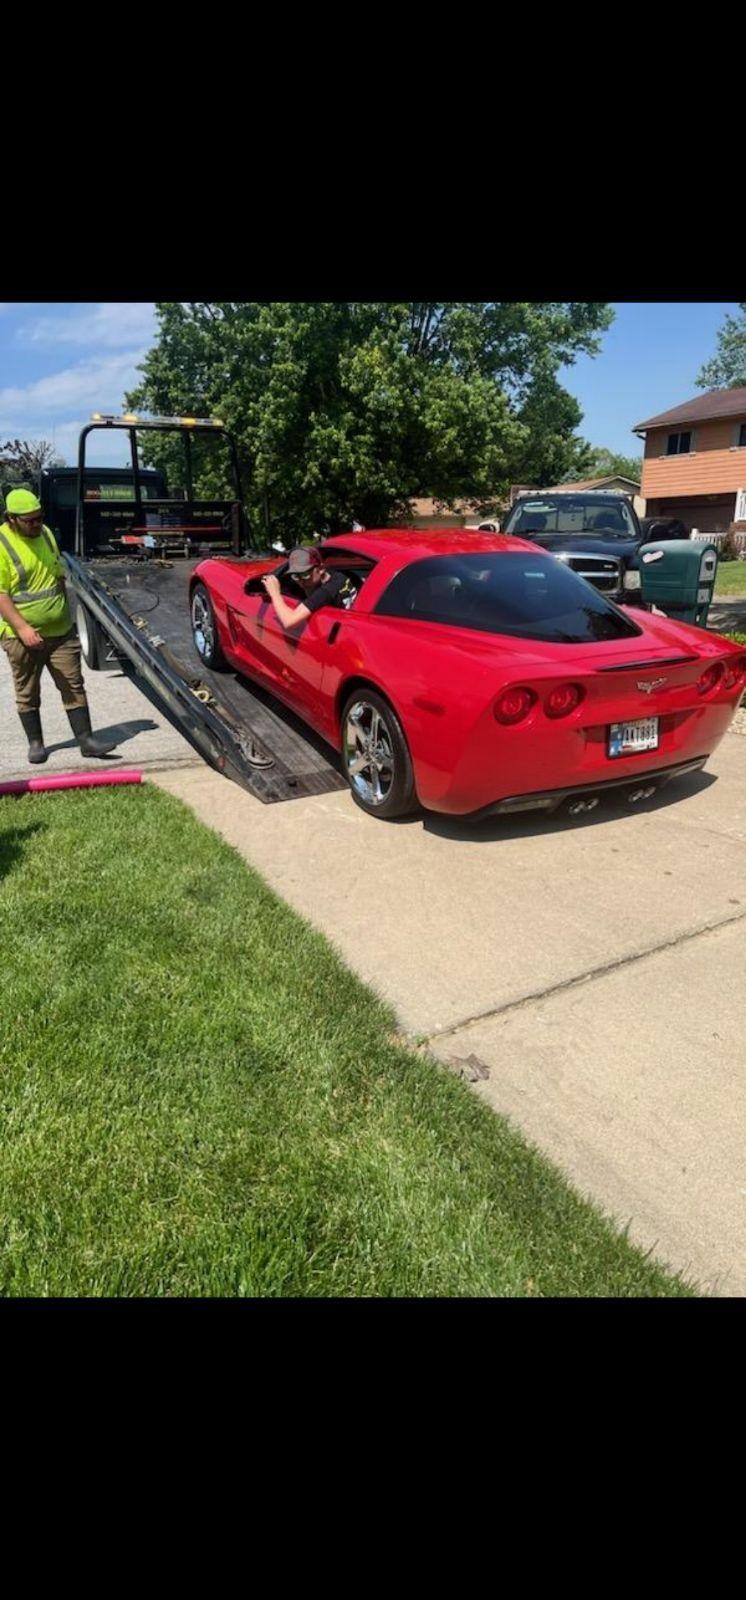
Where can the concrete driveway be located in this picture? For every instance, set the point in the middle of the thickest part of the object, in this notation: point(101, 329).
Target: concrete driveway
point(587, 975)
point(118, 705)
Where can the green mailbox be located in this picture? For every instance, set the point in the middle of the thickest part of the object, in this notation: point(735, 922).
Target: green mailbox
point(679, 578)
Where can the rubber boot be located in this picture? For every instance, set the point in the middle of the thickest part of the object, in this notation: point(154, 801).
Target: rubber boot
point(89, 745)
point(31, 724)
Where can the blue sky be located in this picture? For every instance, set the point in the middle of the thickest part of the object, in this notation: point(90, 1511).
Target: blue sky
point(60, 362)
point(649, 361)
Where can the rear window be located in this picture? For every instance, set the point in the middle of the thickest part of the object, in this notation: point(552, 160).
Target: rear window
point(65, 490)
point(525, 595)
point(562, 513)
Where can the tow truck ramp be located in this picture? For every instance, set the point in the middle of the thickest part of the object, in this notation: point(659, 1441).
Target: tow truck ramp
point(143, 609)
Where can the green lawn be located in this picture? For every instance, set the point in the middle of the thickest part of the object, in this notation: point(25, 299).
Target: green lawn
point(730, 579)
point(198, 1098)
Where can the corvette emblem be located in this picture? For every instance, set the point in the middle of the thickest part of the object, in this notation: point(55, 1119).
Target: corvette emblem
point(649, 684)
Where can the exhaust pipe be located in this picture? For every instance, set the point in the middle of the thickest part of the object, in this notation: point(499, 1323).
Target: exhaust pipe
point(576, 807)
point(641, 794)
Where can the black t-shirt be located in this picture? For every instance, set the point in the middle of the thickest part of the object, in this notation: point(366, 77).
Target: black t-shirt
point(328, 593)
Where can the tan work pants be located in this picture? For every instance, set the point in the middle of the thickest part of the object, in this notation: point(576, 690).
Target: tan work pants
point(61, 656)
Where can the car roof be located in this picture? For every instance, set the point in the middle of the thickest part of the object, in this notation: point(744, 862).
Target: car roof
point(416, 543)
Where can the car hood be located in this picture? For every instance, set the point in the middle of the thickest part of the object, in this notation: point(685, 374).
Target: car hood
point(585, 543)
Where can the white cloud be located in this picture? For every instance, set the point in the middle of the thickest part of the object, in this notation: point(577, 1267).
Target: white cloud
point(56, 407)
point(104, 447)
point(99, 383)
point(109, 325)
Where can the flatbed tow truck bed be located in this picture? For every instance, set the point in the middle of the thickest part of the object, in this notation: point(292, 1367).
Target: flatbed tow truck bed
point(143, 607)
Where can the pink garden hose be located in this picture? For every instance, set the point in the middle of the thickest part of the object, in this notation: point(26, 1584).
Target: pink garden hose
point(69, 780)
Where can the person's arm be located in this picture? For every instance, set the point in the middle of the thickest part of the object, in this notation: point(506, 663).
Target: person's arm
point(287, 616)
point(23, 630)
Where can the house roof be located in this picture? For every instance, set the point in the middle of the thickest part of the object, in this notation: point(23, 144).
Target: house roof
point(716, 403)
point(429, 508)
point(594, 483)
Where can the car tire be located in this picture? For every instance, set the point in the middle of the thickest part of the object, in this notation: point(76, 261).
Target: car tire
point(205, 630)
point(382, 785)
point(95, 646)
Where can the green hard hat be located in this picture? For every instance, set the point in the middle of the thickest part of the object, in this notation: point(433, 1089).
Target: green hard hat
point(19, 502)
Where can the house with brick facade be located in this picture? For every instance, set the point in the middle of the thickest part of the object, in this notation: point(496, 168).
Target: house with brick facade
point(694, 466)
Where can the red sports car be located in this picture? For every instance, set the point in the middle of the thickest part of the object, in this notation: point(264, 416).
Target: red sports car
point(474, 674)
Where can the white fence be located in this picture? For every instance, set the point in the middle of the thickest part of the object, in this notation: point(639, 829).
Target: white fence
point(718, 540)
point(707, 538)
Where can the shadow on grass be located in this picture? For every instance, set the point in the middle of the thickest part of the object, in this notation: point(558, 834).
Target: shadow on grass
point(13, 843)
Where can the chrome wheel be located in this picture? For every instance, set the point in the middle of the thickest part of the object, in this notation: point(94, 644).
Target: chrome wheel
point(368, 753)
point(203, 626)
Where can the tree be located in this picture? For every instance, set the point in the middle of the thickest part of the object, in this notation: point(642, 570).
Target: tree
point(727, 369)
point(603, 463)
point(352, 409)
point(21, 460)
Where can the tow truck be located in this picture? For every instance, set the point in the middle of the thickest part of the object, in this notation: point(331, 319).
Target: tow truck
point(130, 549)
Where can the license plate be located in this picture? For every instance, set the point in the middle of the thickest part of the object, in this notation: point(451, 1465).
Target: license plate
point(630, 738)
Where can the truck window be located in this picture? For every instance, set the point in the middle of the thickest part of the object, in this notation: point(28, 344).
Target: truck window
point(65, 490)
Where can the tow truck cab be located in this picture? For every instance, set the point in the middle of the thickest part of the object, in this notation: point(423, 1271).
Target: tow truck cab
point(58, 492)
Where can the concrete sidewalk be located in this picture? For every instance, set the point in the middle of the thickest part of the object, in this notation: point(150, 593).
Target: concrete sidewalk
point(594, 968)
point(119, 706)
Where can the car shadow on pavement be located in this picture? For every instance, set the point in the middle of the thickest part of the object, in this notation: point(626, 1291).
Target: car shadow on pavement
point(530, 824)
point(121, 731)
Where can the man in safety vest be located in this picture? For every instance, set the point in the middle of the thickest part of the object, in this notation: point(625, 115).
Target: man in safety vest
point(36, 627)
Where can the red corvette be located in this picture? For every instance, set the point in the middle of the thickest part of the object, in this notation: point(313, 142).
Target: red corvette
point(474, 674)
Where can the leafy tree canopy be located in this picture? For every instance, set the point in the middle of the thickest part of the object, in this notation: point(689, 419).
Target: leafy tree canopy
point(727, 369)
point(603, 463)
point(21, 461)
point(352, 409)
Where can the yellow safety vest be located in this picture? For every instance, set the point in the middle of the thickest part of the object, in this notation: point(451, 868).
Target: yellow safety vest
point(31, 571)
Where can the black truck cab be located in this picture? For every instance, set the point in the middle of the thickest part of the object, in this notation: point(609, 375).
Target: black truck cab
point(598, 534)
point(58, 492)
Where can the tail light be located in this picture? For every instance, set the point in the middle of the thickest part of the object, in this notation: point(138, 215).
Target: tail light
point(562, 700)
point(513, 705)
point(734, 672)
point(710, 678)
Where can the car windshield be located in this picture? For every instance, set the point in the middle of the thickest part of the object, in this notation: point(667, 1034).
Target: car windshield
point(525, 595)
point(608, 517)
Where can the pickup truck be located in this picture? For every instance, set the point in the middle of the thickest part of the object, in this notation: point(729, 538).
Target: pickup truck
point(597, 534)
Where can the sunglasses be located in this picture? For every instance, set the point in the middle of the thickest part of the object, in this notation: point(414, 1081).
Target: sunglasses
point(30, 517)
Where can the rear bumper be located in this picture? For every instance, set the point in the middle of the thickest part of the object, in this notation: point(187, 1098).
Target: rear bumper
point(550, 799)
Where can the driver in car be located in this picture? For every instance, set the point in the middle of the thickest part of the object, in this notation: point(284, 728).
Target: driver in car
point(318, 586)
